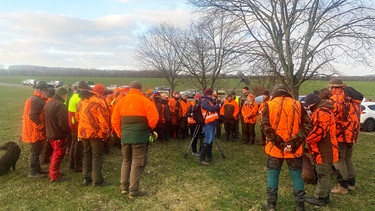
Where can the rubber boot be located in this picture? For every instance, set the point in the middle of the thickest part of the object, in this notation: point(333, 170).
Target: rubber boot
point(209, 152)
point(202, 158)
point(321, 202)
point(299, 198)
point(271, 198)
point(351, 184)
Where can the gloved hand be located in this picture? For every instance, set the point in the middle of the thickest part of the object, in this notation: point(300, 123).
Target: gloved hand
point(295, 143)
point(279, 142)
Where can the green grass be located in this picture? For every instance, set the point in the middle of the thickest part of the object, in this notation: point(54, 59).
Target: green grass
point(173, 183)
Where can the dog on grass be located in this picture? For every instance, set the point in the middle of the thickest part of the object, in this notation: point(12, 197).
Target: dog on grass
point(10, 158)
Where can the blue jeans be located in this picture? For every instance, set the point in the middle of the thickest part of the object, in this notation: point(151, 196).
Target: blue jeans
point(209, 133)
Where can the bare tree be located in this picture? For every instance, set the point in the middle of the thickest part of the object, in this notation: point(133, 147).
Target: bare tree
point(302, 38)
point(211, 49)
point(157, 51)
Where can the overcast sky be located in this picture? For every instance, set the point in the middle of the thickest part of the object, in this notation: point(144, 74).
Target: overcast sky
point(86, 33)
point(80, 33)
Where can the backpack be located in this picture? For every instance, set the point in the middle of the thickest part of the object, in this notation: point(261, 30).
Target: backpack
point(352, 112)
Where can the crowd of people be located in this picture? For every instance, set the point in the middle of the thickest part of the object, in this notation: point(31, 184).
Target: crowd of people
point(88, 121)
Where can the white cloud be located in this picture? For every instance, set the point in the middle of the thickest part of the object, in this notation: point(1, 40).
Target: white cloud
point(42, 38)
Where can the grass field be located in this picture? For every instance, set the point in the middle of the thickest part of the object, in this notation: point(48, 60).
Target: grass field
point(173, 183)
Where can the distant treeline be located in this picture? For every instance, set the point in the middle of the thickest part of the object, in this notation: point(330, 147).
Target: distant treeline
point(32, 70)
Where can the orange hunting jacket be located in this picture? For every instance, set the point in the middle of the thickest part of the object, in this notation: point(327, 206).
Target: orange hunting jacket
point(284, 117)
point(227, 105)
point(347, 119)
point(322, 140)
point(93, 117)
point(33, 120)
point(249, 112)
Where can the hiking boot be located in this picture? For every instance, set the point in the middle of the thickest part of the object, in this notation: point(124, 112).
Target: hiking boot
point(339, 189)
point(124, 192)
point(270, 207)
point(321, 202)
point(204, 163)
point(43, 171)
point(196, 154)
point(36, 176)
point(104, 183)
point(61, 179)
point(138, 194)
point(86, 181)
point(351, 188)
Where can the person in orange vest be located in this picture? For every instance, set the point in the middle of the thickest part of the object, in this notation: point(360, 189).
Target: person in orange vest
point(347, 130)
point(174, 107)
point(34, 128)
point(134, 117)
point(93, 130)
point(229, 112)
point(323, 147)
point(266, 98)
point(165, 118)
point(249, 113)
point(196, 122)
point(183, 121)
point(76, 148)
point(286, 124)
point(210, 115)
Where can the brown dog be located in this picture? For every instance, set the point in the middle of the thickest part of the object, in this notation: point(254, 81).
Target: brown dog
point(10, 158)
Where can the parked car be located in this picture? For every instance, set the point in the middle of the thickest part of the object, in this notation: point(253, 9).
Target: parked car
point(55, 84)
point(190, 92)
point(90, 83)
point(29, 82)
point(368, 116)
point(163, 89)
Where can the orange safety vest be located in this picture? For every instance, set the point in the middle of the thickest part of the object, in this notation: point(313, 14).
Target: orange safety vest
point(208, 115)
point(285, 118)
point(191, 118)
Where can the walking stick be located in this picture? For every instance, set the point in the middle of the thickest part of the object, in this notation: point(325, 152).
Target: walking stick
point(196, 131)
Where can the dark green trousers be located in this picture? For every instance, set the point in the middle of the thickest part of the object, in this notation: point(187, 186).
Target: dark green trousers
point(323, 188)
point(93, 157)
point(35, 152)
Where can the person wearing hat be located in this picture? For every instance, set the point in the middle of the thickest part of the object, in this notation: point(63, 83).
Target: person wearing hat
point(229, 112)
point(286, 124)
point(34, 129)
point(210, 115)
point(266, 98)
point(347, 130)
point(134, 117)
point(323, 147)
point(76, 148)
point(57, 131)
point(47, 148)
point(93, 130)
